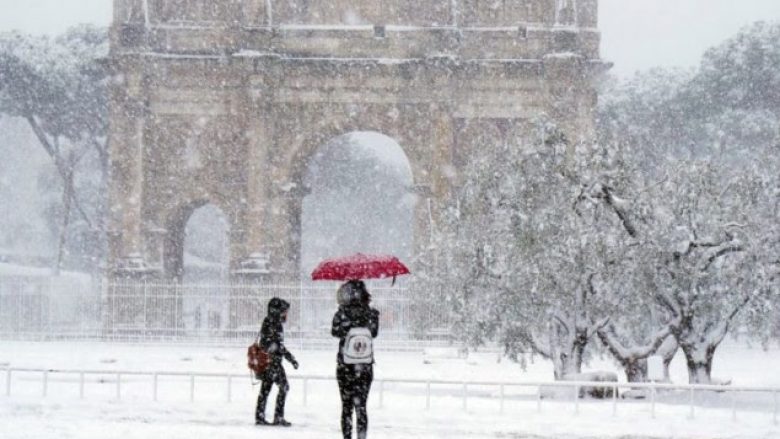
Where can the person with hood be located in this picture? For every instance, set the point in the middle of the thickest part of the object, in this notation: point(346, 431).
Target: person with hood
point(356, 324)
point(272, 342)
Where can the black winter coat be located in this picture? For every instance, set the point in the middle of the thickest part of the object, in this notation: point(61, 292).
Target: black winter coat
point(272, 332)
point(353, 316)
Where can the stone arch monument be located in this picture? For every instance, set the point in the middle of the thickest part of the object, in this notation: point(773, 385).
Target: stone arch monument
point(225, 103)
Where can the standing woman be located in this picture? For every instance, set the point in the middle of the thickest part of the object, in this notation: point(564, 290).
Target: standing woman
point(356, 324)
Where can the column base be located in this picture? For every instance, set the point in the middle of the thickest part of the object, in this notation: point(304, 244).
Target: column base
point(254, 268)
point(134, 267)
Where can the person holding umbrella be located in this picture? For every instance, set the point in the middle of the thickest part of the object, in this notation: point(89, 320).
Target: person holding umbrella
point(356, 324)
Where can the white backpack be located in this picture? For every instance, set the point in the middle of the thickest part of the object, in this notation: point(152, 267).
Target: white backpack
point(358, 347)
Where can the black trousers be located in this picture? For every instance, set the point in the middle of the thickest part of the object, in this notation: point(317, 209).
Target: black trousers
point(273, 375)
point(354, 386)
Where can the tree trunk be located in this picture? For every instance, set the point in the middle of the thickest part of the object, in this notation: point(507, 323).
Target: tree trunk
point(566, 366)
point(569, 358)
point(577, 353)
point(636, 370)
point(67, 194)
point(667, 351)
point(699, 361)
point(100, 249)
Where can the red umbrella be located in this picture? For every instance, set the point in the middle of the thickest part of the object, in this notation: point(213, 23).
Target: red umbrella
point(359, 266)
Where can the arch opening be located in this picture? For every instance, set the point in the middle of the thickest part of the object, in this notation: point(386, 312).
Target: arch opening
point(206, 246)
point(360, 200)
point(197, 255)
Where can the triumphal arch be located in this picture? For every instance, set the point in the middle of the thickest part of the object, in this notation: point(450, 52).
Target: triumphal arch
point(225, 102)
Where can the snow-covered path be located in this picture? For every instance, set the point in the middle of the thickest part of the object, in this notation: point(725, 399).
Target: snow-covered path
point(30, 418)
point(34, 420)
point(402, 413)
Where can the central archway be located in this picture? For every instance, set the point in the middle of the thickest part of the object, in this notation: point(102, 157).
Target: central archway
point(360, 199)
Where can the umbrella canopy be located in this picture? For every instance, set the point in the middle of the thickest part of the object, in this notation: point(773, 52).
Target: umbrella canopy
point(359, 266)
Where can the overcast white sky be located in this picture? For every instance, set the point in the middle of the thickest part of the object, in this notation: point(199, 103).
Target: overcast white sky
point(638, 34)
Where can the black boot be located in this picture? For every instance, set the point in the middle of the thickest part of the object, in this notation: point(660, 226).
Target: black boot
point(281, 422)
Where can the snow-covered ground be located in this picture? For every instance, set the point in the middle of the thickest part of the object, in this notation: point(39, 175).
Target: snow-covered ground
point(401, 414)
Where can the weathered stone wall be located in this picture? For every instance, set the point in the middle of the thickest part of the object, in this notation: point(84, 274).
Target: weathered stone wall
point(438, 13)
point(225, 105)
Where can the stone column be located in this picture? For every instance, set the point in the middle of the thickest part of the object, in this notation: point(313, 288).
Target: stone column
point(566, 12)
point(256, 13)
point(126, 145)
point(129, 11)
point(567, 82)
point(254, 250)
point(284, 229)
point(588, 13)
point(424, 219)
point(437, 189)
point(442, 173)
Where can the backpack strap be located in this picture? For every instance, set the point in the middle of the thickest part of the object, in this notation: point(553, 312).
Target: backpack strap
point(259, 335)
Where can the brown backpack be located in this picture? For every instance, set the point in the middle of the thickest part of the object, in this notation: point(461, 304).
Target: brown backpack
point(258, 360)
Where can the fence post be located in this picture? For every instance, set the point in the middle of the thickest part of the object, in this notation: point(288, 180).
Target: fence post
point(154, 387)
point(43, 297)
point(45, 383)
point(48, 309)
point(146, 320)
point(614, 399)
point(381, 394)
point(577, 399)
point(774, 397)
point(539, 399)
point(10, 371)
point(177, 296)
point(119, 387)
point(112, 321)
point(465, 396)
point(428, 395)
point(652, 402)
point(192, 387)
point(501, 395)
point(229, 388)
point(691, 415)
point(81, 385)
point(305, 392)
point(300, 313)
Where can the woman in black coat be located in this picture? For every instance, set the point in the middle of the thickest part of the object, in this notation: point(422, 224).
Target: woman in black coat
point(272, 342)
point(354, 376)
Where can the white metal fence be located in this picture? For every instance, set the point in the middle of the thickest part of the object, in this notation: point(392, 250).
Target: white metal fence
point(59, 308)
point(146, 386)
point(48, 307)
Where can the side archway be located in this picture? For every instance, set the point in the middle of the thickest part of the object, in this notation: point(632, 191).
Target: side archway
point(197, 246)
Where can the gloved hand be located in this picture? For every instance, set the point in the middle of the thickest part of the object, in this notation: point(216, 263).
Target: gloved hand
point(294, 364)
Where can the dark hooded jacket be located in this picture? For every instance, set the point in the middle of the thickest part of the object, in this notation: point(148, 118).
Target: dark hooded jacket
point(353, 314)
point(272, 332)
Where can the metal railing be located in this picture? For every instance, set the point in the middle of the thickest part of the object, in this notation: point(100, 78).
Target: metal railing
point(657, 393)
point(51, 309)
